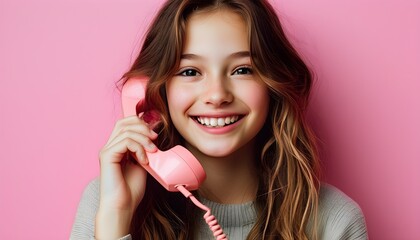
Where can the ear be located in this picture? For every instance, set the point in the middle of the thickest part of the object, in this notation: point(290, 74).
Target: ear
point(133, 91)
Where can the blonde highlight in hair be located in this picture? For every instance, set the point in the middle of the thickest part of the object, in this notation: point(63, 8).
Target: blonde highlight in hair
point(288, 166)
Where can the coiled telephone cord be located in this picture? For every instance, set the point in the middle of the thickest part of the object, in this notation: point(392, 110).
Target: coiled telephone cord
point(210, 219)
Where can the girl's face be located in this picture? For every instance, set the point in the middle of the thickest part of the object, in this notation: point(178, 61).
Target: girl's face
point(215, 100)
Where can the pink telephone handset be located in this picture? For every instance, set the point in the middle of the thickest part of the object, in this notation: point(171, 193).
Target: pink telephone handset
point(175, 169)
point(176, 166)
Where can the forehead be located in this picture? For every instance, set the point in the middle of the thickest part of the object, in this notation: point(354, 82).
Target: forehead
point(222, 30)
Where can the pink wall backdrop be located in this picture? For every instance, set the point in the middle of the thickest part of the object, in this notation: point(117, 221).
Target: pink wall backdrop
point(59, 61)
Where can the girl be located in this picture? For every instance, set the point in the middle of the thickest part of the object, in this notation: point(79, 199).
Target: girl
point(225, 83)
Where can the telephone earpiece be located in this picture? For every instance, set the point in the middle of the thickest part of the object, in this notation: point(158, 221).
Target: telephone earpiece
point(176, 166)
point(132, 92)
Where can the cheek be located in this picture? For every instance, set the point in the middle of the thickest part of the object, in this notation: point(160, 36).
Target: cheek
point(259, 100)
point(178, 99)
point(256, 97)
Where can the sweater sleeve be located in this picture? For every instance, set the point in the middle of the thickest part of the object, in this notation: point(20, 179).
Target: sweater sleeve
point(84, 223)
point(339, 216)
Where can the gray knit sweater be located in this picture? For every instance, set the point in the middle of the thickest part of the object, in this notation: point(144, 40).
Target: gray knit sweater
point(339, 217)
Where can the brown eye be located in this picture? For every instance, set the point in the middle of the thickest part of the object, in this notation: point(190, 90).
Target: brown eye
point(243, 70)
point(189, 73)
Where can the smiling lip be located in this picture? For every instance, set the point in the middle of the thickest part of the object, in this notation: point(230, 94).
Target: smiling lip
point(219, 124)
point(217, 121)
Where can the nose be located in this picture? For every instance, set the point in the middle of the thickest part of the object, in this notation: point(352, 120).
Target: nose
point(217, 92)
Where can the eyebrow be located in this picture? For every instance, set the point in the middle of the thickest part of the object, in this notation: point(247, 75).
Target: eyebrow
point(241, 54)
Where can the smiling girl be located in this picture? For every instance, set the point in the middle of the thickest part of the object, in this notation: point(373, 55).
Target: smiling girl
point(225, 83)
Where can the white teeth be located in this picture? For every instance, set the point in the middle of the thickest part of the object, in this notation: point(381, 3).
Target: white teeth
point(227, 120)
point(221, 122)
point(217, 122)
point(213, 122)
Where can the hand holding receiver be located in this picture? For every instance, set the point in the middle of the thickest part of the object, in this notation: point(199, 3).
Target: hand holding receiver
point(122, 180)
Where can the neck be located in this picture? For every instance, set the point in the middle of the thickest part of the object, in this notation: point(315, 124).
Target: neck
point(231, 179)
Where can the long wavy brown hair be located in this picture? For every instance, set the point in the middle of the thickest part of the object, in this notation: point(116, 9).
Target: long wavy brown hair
point(288, 164)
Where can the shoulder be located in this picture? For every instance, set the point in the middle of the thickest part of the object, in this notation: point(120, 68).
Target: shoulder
point(92, 188)
point(339, 216)
point(332, 199)
point(90, 194)
point(84, 222)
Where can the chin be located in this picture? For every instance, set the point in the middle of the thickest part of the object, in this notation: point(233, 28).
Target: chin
point(216, 151)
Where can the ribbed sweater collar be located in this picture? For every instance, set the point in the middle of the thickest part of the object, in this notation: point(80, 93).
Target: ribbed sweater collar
point(232, 215)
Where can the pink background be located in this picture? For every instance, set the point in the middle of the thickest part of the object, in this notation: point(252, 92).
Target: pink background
point(59, 61)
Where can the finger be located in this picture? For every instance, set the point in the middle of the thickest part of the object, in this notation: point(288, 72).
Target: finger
point(114, 153)
point(121, 124)
point(132, 124)
point(143, 140)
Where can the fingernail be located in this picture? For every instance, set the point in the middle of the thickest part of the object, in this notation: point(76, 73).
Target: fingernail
point(154, 134)
point(151, 146)
point(143, 159)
